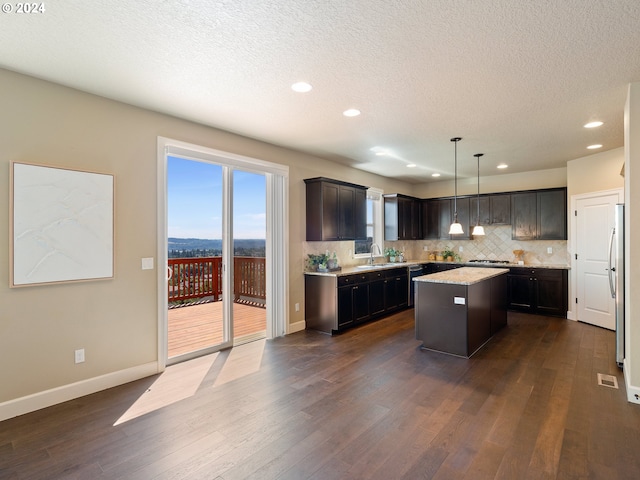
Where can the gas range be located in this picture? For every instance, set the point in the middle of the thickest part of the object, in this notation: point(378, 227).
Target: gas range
point(490, 261)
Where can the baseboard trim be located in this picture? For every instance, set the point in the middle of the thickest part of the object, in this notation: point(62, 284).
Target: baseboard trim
point(296, 327)
point(47, 398)
point(633, 393)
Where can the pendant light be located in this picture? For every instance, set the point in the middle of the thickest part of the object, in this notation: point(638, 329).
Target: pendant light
point(456, 228)
point(478, 229)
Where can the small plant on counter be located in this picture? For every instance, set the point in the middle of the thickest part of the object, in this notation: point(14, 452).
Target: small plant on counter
point(451, 256)
point(393, 255)
point(316, 260)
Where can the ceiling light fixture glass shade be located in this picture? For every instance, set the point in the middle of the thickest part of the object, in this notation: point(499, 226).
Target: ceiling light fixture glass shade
point(478, 229)
point(456, 227)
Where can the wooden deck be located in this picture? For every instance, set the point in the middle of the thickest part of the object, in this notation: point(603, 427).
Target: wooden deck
point(199, 326)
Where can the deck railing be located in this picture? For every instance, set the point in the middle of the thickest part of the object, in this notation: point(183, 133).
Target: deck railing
point(201, 278)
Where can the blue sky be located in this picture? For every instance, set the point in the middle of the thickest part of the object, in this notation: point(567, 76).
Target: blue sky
point(194, 192)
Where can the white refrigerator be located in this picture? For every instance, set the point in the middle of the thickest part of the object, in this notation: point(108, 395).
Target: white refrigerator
point(616, 277)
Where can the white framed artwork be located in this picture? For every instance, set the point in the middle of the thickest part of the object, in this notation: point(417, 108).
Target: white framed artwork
point(62, 225)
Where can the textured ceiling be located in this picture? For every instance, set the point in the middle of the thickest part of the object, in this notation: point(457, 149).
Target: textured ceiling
point(517, 80)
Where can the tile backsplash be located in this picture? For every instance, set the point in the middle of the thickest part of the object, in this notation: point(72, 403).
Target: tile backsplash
point(495, 245)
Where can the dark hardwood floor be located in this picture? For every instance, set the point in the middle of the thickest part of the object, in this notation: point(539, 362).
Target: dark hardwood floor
point(365, 404)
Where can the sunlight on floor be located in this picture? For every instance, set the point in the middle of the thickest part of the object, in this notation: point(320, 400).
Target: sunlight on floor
point(176, 383)
point(183, 380)
point(242, 360)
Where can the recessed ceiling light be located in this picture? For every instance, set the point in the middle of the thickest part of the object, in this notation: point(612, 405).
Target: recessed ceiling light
point(411, 165)
point(301, 87)
point(593, 124)
point(352, 112)
point(503, 165)
point(435, 174)
point(593, 147)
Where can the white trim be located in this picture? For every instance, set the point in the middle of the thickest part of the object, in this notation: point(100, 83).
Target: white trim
point(572, 314)
point(375, 194)
point(277, 178)
point(47, 398)
point(297, 327)
point(633, 392)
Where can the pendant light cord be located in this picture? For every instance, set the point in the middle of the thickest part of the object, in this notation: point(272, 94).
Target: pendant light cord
point(455, 182)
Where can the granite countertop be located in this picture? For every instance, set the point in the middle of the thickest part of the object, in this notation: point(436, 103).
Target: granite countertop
point(462, 276)
point(366, 268)
point(350, 270)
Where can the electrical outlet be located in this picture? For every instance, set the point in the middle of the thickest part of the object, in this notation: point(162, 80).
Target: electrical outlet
point(79, 355)
point(297, 307)
point(460, 249)
point(425, 248)
point(549, 250)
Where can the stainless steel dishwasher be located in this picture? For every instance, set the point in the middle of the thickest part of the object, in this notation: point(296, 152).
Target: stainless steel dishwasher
point(414, 271)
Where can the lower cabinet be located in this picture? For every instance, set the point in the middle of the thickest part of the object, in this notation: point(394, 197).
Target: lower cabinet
point(540, 291)
point(335, 303)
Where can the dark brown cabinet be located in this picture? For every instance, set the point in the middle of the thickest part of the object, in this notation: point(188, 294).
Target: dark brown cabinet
point(396, 289)
point(500, 206)
point(335, 303)
point(539, 215)
point(438, 214)
point(335, 210)
point(539, 291)
point(402, 219)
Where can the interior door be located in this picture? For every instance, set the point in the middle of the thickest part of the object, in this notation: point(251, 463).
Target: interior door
point(594, 220)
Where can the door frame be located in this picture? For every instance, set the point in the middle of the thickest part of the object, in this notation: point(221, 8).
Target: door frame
point(277, 241)
point(572, 314)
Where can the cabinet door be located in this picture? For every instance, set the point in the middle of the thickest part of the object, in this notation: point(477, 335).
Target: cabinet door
point(346, 213)
point(345, 306)
point(520, 292)
point(376, 296)
point(390, 297)
point(551, 292)
point(500, 206)
point(446, 216)
point(552, 214)
point(360, 302)
point(402, 290)
point(485, 211)
point(463, 217)
point(431, 219)
point(524, 216)
point(411, 220)
point(330, 211)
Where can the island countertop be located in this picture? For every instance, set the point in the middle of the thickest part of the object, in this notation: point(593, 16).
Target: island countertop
point(462, 276)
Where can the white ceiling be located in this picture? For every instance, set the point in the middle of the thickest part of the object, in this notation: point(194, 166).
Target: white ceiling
point(517, 80)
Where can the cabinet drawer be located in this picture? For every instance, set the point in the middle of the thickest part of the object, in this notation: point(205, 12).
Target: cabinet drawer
point(352, 279)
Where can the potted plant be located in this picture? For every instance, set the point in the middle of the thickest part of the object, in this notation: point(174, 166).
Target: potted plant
point(448, 255)
point(390, 254)
point(316, 261)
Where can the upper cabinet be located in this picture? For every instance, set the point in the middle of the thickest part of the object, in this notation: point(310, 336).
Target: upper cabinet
point(335, 210)
point(437, 215)
point(402, 220)
point(539, 215)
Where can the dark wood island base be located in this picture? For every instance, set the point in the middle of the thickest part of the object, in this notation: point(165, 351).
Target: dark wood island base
point(458, 311)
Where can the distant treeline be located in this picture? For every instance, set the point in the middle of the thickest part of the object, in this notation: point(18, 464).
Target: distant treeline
point(199, 247)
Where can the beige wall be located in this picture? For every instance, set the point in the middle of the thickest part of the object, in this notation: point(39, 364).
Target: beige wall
point(600, 171)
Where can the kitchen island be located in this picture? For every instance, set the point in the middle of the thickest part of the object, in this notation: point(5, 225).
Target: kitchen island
point(458, 311)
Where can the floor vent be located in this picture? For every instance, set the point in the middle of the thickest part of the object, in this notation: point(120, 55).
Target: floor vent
point(607, 380)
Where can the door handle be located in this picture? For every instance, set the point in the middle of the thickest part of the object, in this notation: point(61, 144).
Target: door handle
point(611, 268)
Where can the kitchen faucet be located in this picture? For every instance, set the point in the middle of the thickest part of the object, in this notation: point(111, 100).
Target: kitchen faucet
point(371, 252)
